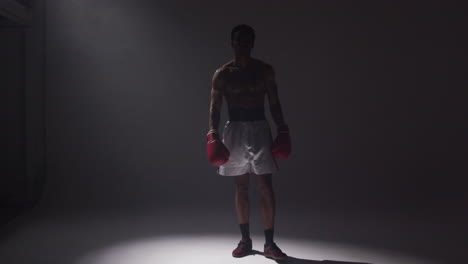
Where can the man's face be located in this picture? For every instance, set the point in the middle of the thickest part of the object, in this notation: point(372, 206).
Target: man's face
point(242, 42)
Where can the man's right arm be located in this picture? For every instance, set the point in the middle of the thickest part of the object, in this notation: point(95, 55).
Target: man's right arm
point(217, 92)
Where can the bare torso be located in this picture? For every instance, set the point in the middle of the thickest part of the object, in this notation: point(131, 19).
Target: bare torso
point(245, 90)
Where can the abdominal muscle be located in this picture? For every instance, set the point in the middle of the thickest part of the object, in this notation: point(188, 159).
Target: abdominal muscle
point(245, 94)
point(248, 111)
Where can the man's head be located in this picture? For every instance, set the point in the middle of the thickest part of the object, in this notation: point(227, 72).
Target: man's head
point(242, 38)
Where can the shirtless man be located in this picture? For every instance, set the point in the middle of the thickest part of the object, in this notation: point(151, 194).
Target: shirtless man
point(247, 146)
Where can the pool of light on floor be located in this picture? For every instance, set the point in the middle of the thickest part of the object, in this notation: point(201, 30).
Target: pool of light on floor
point(216, 249)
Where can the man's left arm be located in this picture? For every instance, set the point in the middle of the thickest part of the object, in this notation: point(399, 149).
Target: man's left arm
point(273, 97)
point(281, 147)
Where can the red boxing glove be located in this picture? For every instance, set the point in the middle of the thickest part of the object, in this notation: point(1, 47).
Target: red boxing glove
point(217, 152)
point(281, 147)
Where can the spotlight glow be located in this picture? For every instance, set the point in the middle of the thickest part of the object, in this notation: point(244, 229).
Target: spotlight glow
point(216, 249)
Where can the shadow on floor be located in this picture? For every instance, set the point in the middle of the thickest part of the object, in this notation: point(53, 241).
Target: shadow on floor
point(293, 260)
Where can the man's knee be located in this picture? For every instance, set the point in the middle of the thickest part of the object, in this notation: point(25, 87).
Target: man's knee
point(242, 184)
point(242, 189)
point(265, 184)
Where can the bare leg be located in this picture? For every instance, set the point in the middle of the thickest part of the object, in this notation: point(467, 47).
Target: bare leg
point(268, 199)
point(271, 250)
point(242, 198)
point(244, 247)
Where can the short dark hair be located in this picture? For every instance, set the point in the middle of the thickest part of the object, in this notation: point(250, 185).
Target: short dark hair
point(243, 27)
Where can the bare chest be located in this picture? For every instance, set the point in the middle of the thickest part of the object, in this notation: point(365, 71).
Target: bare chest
point(244, 82)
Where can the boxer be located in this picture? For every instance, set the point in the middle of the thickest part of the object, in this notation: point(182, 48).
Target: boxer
point(247, 146)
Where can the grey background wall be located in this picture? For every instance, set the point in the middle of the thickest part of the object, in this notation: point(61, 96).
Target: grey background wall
point(13, 116)
point(22, 103)
point(372, 93)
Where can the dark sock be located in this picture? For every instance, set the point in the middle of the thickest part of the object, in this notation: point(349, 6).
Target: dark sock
point(245, 230)
point(269, 236)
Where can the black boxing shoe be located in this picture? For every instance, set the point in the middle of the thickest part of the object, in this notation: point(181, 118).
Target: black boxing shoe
point(274, 252)
point(244, 248)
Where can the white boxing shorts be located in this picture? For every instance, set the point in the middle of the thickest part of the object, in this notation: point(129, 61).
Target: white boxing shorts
point(249, 144)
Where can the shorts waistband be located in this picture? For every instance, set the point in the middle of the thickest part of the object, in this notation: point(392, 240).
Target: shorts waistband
point(246, 114)
point(247, 122)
